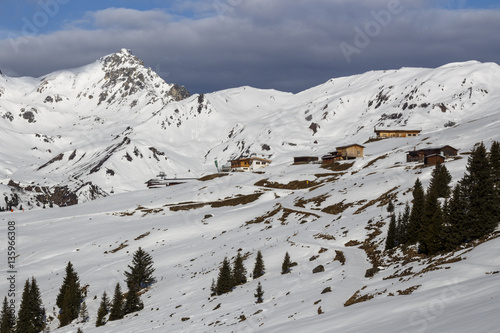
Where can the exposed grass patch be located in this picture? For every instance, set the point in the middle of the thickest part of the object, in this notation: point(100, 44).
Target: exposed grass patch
point(324, 236)
point(375, 160)
point(142, 236)
point(337, 208)
point(293, 185)
point(238, 200)
point(316, 200)
point(358, 298)
point(212, 176)
point(382, 200)
point(339, 256)
point(266, 216)
point(337, 166)
point(408, 291)
point(116, 249)
point(352, 242)
point(183, 207)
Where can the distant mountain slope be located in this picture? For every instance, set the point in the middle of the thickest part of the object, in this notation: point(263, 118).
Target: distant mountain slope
point(117, 124)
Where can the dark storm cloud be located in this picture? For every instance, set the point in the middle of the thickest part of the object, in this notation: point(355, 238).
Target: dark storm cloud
point(269, 44)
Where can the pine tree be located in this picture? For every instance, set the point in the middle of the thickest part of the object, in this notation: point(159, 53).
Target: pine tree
point(390, 207)
point(132, 301)
point(431, 206)
point(36, 307)
point(391, 234)
point(440, 181)
point(225, 282)
point(31, 315)
point(259, 293)
point(239, 270)
point(71, 303)
point(7, 318)
point(286, 266)
point(455, 214)
point(71, 275)
point(213, 288)
point(434, 239)
point(415, 221)
point(259, 269)
point(495, 163)
point(79, 330)
point(102, 311)
point(141, 271)
point(117, 305)
point(84, 313)
point(482, 216)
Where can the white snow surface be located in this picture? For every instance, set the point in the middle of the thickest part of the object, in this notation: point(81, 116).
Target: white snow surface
point(460, 295)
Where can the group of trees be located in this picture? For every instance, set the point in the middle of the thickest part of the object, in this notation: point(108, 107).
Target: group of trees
point(138, 277)
point(71, 299)
point(230, 277)
point(441, 218)
point(31, 315)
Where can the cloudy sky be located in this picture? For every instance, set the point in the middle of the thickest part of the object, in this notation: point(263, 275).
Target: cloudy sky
point(211, 45)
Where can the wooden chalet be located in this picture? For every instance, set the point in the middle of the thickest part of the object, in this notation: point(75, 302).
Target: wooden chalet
point(421, 154)
point(433, 159)
point(350, 151)
point(331, 157)
point(249, 163)
point(396, 132)
point(305, 159)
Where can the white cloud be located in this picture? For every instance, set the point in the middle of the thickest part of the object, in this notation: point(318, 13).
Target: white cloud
point(271, 44)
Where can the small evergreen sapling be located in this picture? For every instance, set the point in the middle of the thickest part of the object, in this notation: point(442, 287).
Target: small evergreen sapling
point(286, 267)
point(259, 293)
point(7, 318)
point(259, 268)
point(225, 282)
point(239, 270)
point(102, 311)
point(117, 305)
point(141, 271)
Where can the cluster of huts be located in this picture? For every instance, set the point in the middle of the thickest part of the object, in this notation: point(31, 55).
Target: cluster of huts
point(428, 156)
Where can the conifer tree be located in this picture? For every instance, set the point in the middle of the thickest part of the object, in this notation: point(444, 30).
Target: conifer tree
point(403, 225)
point(431, 206)
point(102, 311)
point(259, 269)
point(84, 313)
point(213, 288)
point(31, 315)
point(79, 330)
point(7, 318)
point(391, 234)
point(482, 217)
point(117, 304)
point(390, 207)
point(239, 270)
point(495, 163)
point(417, 211)
point(455, 214)
point(440, 181)
point(225, 282)
point(70, 275)
point(434, 237)
point(133, 301)
point(286, 266)
point(141, 271)
point(71, 303)
point(259, 293)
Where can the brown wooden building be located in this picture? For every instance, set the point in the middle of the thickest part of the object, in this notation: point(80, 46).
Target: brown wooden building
point(434, 159)
point(305, 159)
point(350, 151)
point(249, 163)
point(396, 132)
point(421, 154)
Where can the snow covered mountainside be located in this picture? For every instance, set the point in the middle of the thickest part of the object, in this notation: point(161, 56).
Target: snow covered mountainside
point(112, 125)
point(310, 212)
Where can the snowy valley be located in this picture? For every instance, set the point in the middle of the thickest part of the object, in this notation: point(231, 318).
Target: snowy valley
point(88, 139)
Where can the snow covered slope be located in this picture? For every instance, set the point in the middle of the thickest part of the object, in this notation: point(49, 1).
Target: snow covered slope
point(306, 210)
point(114, 123)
